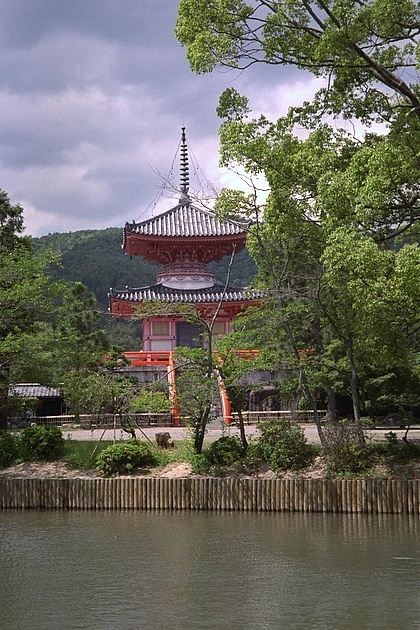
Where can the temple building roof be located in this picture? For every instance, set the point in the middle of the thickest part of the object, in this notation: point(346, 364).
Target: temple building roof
point(34, 390)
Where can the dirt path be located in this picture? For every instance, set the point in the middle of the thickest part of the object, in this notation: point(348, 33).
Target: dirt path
point(215, 430)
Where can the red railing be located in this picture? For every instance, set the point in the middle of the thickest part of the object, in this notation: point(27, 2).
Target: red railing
point(148, 358)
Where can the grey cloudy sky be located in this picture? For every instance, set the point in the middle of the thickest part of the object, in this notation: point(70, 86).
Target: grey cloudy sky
point(93, 95)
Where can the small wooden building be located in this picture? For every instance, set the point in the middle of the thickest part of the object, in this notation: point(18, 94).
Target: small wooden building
point(49, 399)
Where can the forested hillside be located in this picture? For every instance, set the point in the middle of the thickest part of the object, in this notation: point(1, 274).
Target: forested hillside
point(95, 257)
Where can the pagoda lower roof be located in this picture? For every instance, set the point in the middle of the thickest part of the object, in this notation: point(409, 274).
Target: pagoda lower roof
point(212, 295)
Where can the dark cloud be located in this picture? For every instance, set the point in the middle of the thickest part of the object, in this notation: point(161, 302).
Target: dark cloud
point(93, 95)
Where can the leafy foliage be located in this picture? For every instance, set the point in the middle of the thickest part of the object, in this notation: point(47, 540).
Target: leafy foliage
point(26, 296)
point(283, 445)
point(151, 401)
point(9, 448)
point(121, 458)
point(43, 442)
point(22, 406)
point(197, 386)
point(97, 392)
point(337, 240)
point(345, 448)
point(225, 451)
point(354, 45)
point(80, 339)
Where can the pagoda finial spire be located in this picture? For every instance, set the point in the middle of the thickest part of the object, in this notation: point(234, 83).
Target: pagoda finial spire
point(185, 171)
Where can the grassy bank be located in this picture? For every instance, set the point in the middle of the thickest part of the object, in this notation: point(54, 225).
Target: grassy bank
point(399, 460)
point(278, 452)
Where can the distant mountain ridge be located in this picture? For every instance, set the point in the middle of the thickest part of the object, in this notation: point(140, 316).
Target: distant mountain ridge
point(96, 258)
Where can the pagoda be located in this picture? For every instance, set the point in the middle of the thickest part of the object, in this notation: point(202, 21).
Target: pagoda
point(184, 240)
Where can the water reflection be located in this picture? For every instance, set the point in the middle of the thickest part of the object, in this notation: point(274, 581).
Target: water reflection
point(107, 570)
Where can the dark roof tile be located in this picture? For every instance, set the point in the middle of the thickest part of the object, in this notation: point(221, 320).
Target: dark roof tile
point(159, 293)
point(34, 390)
point(187, 220)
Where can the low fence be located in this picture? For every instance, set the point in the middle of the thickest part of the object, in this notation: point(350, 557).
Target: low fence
point(264, 495)
point(109, 421)
point(254, 417)
point(103, 421)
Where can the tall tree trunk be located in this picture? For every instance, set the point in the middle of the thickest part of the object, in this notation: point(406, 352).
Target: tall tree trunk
point(304, 381)
point(331, 405)
point(354, 387)
point(355, 394)
point(4, 395)
point(3, 412)
point(242, 432)
point(331, 397)
point(200, 431)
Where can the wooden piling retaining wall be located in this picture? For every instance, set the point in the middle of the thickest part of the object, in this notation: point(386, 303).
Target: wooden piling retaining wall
point(266, 495)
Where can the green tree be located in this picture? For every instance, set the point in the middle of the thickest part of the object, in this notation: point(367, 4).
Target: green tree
point(80, 341)
point(364, 49)
point(372, 304)
point(97, 393)
point(196, 387)
point(101, 389)
point(307, 258)
point(234, 362)
point(286, 247)
point(26, 295)
point(328, 179)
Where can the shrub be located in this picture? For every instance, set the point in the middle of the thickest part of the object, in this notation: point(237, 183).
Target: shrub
point(44, 442)
point(199, 464)
point(82, 454)
point(122, 457)
point(254, 457)
point(398, 455)
point(345, 448)
point(391, 438)
point(9, 449)
point(149, 401)
point(283, 445)
point(225, 451)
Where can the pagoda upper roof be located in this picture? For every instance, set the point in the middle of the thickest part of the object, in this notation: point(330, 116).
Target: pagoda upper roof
point(186, 220)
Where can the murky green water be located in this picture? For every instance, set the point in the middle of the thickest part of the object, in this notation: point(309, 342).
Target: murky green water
point(193, 570)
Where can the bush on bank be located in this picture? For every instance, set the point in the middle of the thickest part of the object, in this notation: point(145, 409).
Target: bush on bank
point(122, 457)
point(41, 443)
point(82, 454)
point(9, 449)
point(346, 449)
point(284, 445)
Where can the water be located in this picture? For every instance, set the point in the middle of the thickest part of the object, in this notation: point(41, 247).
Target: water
point(192, 570)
